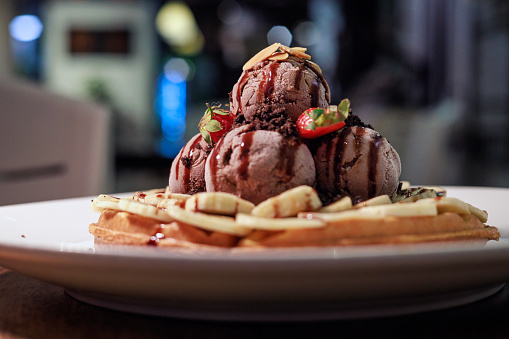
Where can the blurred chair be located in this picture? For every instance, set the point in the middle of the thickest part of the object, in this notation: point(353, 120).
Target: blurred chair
point(51, 147)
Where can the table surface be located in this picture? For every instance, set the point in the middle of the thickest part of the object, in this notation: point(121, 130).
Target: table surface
point(30, 308)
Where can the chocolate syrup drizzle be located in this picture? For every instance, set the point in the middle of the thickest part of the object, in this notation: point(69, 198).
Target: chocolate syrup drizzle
point(266, 86)
point(270, 74)
point(214, 158)
point(187, 162)
point(245, 148)
point(339, 150)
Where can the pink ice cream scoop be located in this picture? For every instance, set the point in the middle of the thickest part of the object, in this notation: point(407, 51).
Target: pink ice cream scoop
point(258, 164)
point(188, 169)
point(357, 162)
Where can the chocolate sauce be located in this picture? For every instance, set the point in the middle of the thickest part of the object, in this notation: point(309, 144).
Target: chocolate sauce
point(269, 75)
point(158, 235)
point(314, 90)
point(187, 169)
point(214, 158)
point(245, 148)
point(341, 145)
point(373, 171)
point(241, 83)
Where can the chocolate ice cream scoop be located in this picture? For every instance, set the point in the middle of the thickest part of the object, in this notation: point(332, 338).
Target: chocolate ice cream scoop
point(258, 164)
point(357, 162)
point(291, 85)
point(188, 169)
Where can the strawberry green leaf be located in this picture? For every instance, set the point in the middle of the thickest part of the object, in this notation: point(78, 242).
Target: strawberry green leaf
point(316, 113)
point(344, 108)
point(311, 126)
point(205, 135)
point(213, 126)
point(221, 112)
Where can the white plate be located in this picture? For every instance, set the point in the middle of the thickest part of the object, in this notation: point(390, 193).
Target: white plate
point(50, 241)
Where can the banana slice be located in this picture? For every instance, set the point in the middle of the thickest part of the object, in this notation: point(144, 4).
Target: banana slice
point(379, 200)
point(208, 222)
point(405, 184)
point(380, 211)
point(140, 195)
point(343, 204)
point(218, 203)
point(164, 203)
point(289, 203)
point(272, 224)
point(446, 204)
point(129, 205)
point(154, 197)
point(480, 214)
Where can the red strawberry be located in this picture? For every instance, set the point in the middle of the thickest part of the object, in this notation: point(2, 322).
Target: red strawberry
point(315, 122)
point(215, 122)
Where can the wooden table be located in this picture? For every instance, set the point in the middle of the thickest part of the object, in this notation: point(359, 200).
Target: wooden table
point(30, 308)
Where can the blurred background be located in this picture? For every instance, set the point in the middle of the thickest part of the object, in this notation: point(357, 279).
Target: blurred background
point(99, 96)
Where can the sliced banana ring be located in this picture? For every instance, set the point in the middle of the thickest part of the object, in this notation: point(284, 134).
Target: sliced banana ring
point(379, 200)
point(343, 204)
point(280, 224)
point(446, 204)
point(208, 222)
point(218, 203)
point(380, 211)
point(129, 205)
point(480, 214)
point(154, 197)
point(289, 203)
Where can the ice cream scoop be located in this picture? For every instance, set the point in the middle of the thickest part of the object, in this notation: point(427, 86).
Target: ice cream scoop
point(258, 164)
point(291, 86)
point(357, 162)
point(188, 169)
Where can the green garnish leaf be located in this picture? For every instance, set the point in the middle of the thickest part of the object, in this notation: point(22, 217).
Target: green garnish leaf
point(213, 126)
point(205, 135)
point(311, 126)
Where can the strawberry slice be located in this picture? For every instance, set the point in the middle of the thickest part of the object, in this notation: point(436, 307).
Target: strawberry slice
point(315, 122)
point(215, 123)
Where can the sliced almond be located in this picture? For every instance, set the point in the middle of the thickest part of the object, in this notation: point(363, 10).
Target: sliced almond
point(271, 224)
point(278, 56)
point(299, 49)
point(262, 55)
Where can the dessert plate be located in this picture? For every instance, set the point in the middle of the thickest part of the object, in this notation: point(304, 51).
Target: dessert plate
point(50, 241)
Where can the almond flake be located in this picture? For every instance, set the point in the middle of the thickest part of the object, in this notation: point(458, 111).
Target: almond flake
point(262, 55)
point(279, 56)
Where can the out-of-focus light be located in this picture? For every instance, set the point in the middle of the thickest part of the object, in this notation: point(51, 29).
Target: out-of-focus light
point(171, 106)
point(177, 25)
point(25, 28)
point(229, 12)
point(306, 33)
point(178, 69)
point(279, 34)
